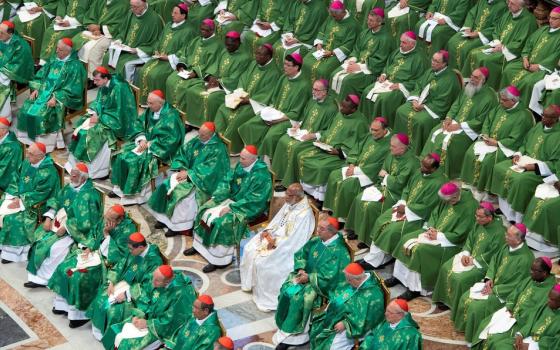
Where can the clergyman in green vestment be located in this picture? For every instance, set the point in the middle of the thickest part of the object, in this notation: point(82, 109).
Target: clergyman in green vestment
point(11, 153)
point(541, 217)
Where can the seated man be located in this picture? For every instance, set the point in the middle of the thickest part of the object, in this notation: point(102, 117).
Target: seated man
point(267, 23)
point(109, 117)
point(362, 166)
point(16, 64)
point(544, 93)
point(469, 266)
point(77, 279)
point(222, 221)
point(36, 182)
point(11, 154)
point(462, 123)
point(317, 273)
point(430, 101)
point(201, 330)
point(506, 270)
point(57, 87)
point(112, 304)
point(354, 309)
point(198, 166)
point(397, 331)
point(400, 22)
point(541, 218)
point(44, 12)
point(514, 181)
point(165, 302)
point(419, 254)
point(69, 220)
point(158, 133)
point(268, 257)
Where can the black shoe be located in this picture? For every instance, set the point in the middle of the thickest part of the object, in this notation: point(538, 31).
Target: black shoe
point(159, 225)
point(365, 265)
point(391, 282)
point(280, 188)
point(33, 285)
point(189, 252)
point(4, 261)
point(282, 346)
point(362, 245)
point(441, 306)
point(409, 295)
point(59, 312)
point(77, 323)
point(171, 233)
point(112, 195)
point(351, 235)
point(211, 267)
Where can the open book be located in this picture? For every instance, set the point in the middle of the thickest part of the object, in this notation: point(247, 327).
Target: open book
point(234, 99)
point(523, 161)
point(269, 114)
point(90, 260)
point(24, 14)
point(297, 133)
point(120, 288)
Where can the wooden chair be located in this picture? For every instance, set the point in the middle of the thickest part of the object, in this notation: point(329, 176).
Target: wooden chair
point(40, 207)
point(31, 42)
point(316, 214)
point(228, 144)
point(459, 78)
point(70, 114)
point(136, 91)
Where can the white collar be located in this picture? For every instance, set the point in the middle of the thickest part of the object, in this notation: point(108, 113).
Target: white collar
point(267, 63)
point(156, 114)
point(175, 25)
point(515, 105)
point(441, 70)
point(200, 322)
point(143, 12)
point(295, 76)
point(211, 36)
point(9, 40)
point(38, 163)
point(248, 169)
point(516, 248)
point(3, 138)
point(394, 325)
point(517, 14)
point(330, 240)
point(65, 58)
point(552, 30)
point(405, 52)
point(108, 83)
point(77, 189)
point(143, 254)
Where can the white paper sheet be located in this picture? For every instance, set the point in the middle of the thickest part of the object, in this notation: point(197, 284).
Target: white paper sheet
point(481, 149)
point(475, 291)
point(396, 11)
point(25, 16)
point(120, 288)
point(261, 32)
point(129, 331)
point(318, 54)
point(213, 213)
point(458, 266)
point(269, 114)
point(257, 106)
point(59, 220)
point(501, 322)
point(234, 99)
point(91, 260)
point(371, 194)
point(297, 134)
point(323, 146)
point(363, 178)
point(546, 191)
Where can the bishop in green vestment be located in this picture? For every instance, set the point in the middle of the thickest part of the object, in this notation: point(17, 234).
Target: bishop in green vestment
point(362, 165)
point(236, 15)
point(11, 153)
point(318, 272)
point(542, 219)
point(240, 197)
point(57, 87)
point(542, 144)
point(134, 270)
point(315, 119)
point(35, 28)
point(405, 22)
point(507, 269)
point(68, 221)
point(110, 116)
point(431, 99)
point(469, 266)
point(198, 167)
point(386, 190)
point(165, 302)
point(158, 134)
point(289, 96)
point(462, 123)
point(368, 58)
point(501, 135)
point(505, 44)
point(476, 30)
point(256, 81)
point(267, 24)
point(361, 9)
point(199, 10)
point(353, 310)
point(414, 207)
point(404, 67)
point(30, 187)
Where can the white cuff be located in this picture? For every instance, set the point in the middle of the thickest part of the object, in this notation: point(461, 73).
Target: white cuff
point(410, 215)
point(506, 151)
point(173, 61)
point(141, 54)
point(544, 169)
point(443, 240)
point(507, 54)
point(274, 27)
point(470, 132)
point(483, 38)
point(339, 54)
point(317, 42)
point(549, 180)
point(318, 136)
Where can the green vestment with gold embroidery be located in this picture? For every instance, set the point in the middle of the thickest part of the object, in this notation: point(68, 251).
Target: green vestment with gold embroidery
point(10, 159)
point(36, 28)
point(194, 336)
point(405, 336)
point(16, 64)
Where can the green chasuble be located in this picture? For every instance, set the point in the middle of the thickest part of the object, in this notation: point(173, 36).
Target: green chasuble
point(199, 104)
point(368, 158)
point(453, 221)
point(206, 165)
point(344, 134)
point(512, 33)
point(404, 336)
point(75, 9)
point(316, 118)
point(138, 32)
point(36, 28)
point(506, 271)
point(541, 217)
point(163, 308)
point(359, 309)
point(483, 242)
point(165, 132)
point(421, 197)
point(134, 270)
point(401, 24)
point(164, 8)
point(404, 68)
point(62, 79)
point(256, 80)
point(444, 87)
point(289, 97)
point(270, 11)
point(371, 51)
point(323, 262)
point(249, 191)
point(33, 185)
point(198, 12)
point(508, 127)
point(469, 113)
point(192, 336)
point(482, 19)
point(154, 73)
point(542, 144)
point(542, 48)
point(11, 153)
point(302, 20)
point(83, 209)
point(244, 12)
point(118, 240)
point(524, 304)
point(360, 9)
point(335, 36)
point(362, 214)
point(199, 56)
point(116, 108)
point(16, 64)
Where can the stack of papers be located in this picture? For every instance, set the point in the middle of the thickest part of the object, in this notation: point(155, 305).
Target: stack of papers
point(288, 36)
point(24, 14)
point(269, 114)
point(323, 146)
point(261, 32)
point(379, 88)
point(234, 99)
point(476, 291)
point(372, 194)
point(73, 24)
point(297, 133)
point(523, 161)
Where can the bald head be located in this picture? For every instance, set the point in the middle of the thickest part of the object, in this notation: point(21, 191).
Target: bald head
point(34, 154)
point(154, 102)
point(62, 50)
point(137, 6)
point(294, 193)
